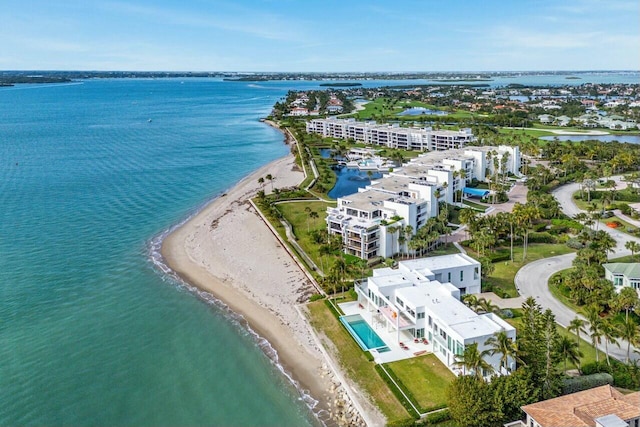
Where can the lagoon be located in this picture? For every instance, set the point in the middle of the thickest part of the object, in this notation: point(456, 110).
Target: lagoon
point(631, 139)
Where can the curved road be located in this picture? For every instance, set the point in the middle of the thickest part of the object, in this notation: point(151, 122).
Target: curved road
point(532, 279)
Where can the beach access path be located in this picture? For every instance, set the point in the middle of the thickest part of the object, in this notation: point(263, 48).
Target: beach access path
point(228, 251)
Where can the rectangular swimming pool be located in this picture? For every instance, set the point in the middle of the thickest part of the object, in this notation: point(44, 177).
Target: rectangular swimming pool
point(362, 332)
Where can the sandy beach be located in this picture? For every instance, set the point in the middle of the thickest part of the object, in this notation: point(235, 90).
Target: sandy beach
point(228, 251)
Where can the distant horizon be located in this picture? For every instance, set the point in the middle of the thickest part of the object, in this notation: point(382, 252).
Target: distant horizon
point(324, 36)
point(322, 72)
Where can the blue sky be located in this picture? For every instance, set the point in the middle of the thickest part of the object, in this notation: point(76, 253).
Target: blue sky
point(315, 35)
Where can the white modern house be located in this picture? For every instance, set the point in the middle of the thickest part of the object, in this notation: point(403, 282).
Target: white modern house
point(623, 274)
point(392, 136)
point(421, 299)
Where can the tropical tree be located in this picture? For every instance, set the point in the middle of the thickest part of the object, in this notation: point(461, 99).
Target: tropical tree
point(501, 343)
point(339, 271)
point(630, 332)
point(595, 322)
point(610, 332)
point(270, 178)
point(633, 246)
point(569, 351)
point(577, 326)
point(626, 300)
point(472, 360)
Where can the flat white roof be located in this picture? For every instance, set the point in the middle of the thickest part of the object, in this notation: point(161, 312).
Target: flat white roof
point(436, 298)
point(438, 262)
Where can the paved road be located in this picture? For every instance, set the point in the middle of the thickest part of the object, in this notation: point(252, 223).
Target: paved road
point(532, 279)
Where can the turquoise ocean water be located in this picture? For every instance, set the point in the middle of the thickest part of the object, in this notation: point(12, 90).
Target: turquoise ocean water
point(91, 331)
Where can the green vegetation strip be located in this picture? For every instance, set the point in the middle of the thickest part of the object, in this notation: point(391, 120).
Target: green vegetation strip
point(588, 351)
point(354, 361)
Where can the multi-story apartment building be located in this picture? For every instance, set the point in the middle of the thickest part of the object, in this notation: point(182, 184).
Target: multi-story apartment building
point(392, 136)
point(422, 298)
point(371, 222)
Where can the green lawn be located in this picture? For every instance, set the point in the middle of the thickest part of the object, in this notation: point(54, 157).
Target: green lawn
point(527, 132)
point(505, 271)
point(353, 361)
point(425, 378)
point(474, 205)
point(302, 225)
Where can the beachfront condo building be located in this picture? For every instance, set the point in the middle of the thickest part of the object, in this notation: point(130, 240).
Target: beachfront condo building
point(373, 222)
point(422, 298)
point(392, 136)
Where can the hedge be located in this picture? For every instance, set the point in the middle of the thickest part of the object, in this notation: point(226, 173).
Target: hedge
point(544, 237)
point(574, 385)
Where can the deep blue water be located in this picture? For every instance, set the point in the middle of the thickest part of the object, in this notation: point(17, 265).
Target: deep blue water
point(348, 180)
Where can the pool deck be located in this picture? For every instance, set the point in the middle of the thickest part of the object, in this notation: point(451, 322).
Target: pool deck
point(389, 337)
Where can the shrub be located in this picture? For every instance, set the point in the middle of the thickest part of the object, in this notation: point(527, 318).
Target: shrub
point(438, 417)
point(573, 385)
point(506, 313)
point(499, 256)
point(406, 422)
point(544, 237)
point(574, 243)
point(623, 376)
point(316, 297)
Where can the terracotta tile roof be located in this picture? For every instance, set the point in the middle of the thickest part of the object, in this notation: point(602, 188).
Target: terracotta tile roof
point(580, 409)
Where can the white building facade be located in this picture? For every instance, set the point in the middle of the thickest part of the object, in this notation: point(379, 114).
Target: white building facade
point(392, 136)
point(422, 297)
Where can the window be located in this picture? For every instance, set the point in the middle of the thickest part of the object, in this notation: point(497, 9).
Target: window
point(421, 315)
point(449, 277)
point(430, 321)
point(461, 275)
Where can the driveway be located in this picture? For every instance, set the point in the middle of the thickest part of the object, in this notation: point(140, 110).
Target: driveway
point(532, 279)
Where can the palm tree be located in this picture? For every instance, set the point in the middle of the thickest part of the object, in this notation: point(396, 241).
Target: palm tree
point(569, 351)
point(392, 230)
point(576, 326)
point(339, 271)
point(630, 332)
point(270, 178)
point(473, 360)
point(610, 331)
point(633, 246)
point(487, 306)
point(407, 232)
point(626, 300)
point(501, 343)
point(593, 315)
point(313, 215)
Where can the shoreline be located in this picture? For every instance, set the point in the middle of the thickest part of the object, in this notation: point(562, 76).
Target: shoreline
point(225, 249)
point(181, 255)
